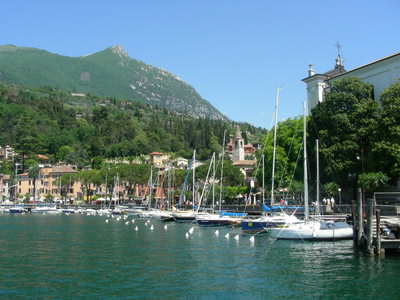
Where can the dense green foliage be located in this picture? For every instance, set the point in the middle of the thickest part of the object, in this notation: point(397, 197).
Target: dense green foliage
point(86, 130)
point(288, 147)
point(346, 125)
point(388, 145)
point(359, 141)
point(110, 73)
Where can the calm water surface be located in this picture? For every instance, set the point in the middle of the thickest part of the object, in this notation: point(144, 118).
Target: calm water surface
point(82, 257)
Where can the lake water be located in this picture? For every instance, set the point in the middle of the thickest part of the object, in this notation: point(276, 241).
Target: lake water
point(82, 257)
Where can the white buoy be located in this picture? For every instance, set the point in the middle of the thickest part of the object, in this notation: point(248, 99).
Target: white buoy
point(127, 223)
point(106, 220)
point(133, 221)
point(151, 227)
point(216, 232)
point(227, 235)
point(191, 230)
point(145, 224)
point(251, 239)
point(187, 235)
point(136, 228)
point(236, 237)
point(165, 227)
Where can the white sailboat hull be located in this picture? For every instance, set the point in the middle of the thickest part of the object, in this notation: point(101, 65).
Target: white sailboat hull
point(313, 230)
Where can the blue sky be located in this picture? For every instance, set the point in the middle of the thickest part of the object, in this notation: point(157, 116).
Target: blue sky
point(234, 53)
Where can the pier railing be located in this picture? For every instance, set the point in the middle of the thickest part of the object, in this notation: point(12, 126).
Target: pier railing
point(376, 223)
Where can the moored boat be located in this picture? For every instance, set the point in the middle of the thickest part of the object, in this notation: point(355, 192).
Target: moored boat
point(263, 222)
point(45, 210)
point(184, 216)
point(313, 230)
point(16, 210)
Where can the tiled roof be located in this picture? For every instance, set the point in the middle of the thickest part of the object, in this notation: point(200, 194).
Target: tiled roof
point(62, 169)
point(155, 153)
point(244, 163)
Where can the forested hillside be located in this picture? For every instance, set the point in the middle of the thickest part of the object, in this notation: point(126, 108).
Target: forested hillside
point(80, 129)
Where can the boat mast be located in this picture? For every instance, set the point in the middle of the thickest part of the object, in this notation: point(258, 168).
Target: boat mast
point(263, 179)
point(213, 185)
point(222, 172)
point(317, 199)
point(150, 187)
point(205, 187)
point(194, 178)
point(274, 150)
point(305, 164)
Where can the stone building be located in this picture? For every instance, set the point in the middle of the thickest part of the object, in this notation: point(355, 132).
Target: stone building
point(380, 73)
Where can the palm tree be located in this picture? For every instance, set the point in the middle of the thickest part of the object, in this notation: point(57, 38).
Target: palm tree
point(33, 172)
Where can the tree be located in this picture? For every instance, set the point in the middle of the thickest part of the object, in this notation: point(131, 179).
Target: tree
point(371, 181)
point(134, 174)
point(87, 178)
point(64, 152)
point(66, 183)
point(33, 173)
point(388, 146)
point(288, 148)
point(346, 125)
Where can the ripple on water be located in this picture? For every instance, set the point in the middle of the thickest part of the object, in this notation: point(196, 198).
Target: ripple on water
point(64, 257)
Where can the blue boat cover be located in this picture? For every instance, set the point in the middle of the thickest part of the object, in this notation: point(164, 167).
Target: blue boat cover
point(232, 214)
point(279, 207)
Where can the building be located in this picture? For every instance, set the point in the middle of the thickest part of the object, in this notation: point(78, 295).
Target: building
point(380, 73)
point(180, 163)
point(48, 184)
point(237, 149)
point(238, 154)
point(5, 184)
point(158, 159)
point(6, 152)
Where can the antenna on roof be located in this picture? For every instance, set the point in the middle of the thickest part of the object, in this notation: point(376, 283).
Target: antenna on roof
point(339, 58)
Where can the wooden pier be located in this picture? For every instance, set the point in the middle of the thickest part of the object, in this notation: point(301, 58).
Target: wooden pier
point(376, 227)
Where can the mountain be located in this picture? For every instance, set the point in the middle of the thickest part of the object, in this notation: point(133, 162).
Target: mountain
point(49, 121)
point(108, 73)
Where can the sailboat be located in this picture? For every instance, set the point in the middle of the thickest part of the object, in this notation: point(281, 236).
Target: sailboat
point(188, 215)
point(272, 216)
point(212, 219)
point(312, 228)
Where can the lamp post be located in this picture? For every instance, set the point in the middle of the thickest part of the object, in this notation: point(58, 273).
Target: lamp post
point(340, 196)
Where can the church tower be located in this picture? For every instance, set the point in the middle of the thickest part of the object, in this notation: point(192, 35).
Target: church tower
point(238, 146)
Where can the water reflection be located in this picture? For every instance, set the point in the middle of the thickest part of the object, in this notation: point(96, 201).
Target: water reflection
point(71, 256)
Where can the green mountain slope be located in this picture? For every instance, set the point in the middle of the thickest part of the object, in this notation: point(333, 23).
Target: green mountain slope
point(48, 120)
point(110, 73)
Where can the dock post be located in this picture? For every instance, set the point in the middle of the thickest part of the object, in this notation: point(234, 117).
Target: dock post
point(360, 225)
point(354, 218)
point(378, 232)
point(370, 211)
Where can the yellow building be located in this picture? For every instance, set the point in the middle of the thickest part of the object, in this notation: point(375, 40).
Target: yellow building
point(48, 184)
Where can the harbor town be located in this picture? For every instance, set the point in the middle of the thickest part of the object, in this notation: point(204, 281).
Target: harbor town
point(199, 150)
point(165, 187)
